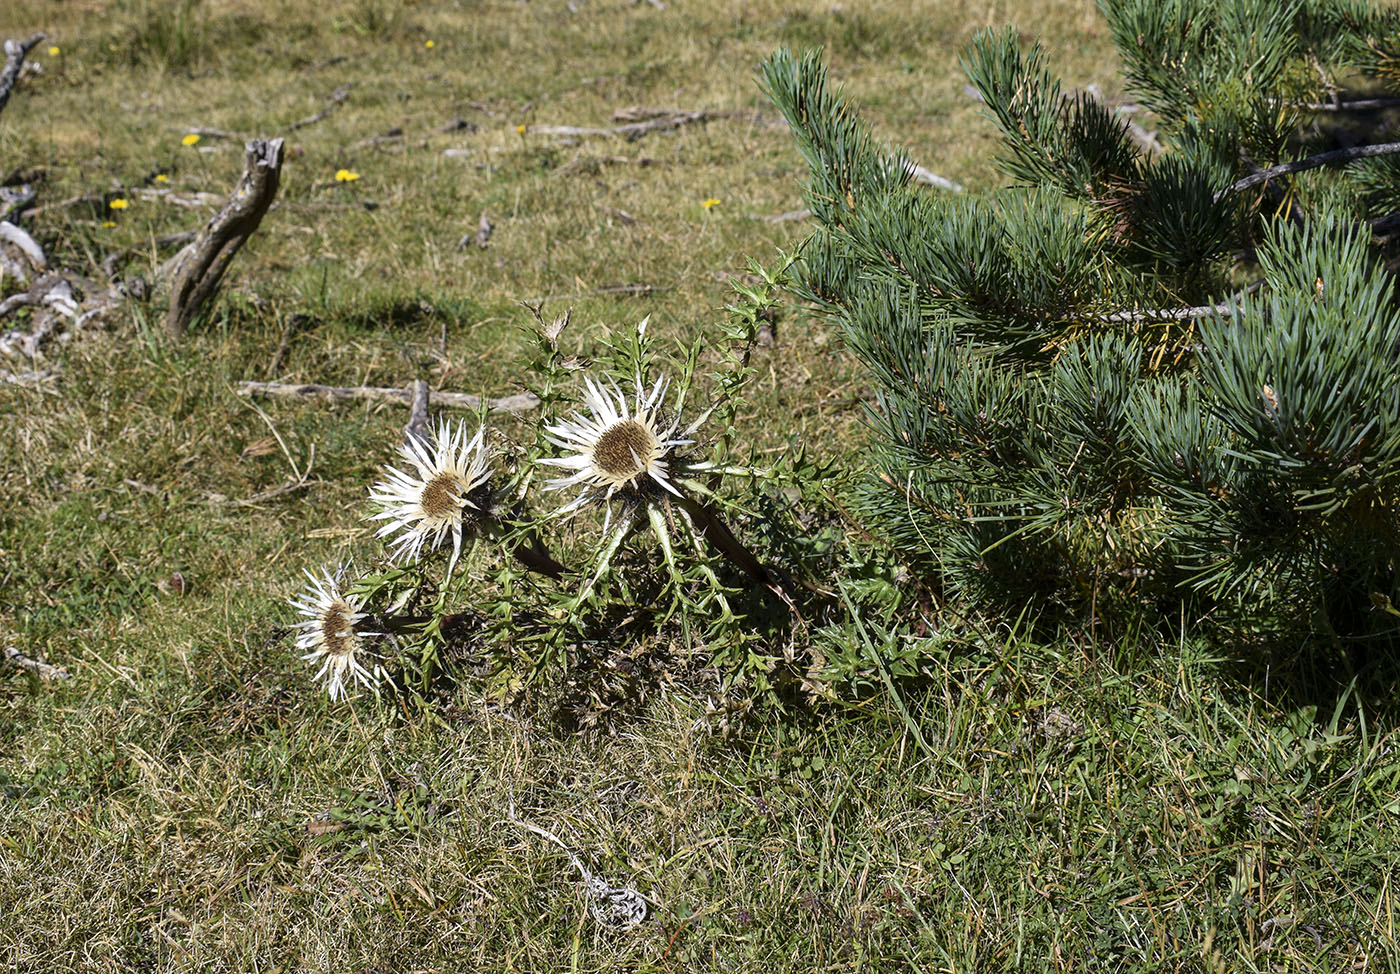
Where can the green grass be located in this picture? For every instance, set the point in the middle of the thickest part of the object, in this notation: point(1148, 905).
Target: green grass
point(189, 801)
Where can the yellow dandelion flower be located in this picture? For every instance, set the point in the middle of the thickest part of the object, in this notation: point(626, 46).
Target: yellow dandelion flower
point(162, 177)
point(118, 204)
point(191, 139)
point(520, 130)
point(346, 176)
point(108, 224)
point(710, 203)
point(429, 45)
point(54, 51)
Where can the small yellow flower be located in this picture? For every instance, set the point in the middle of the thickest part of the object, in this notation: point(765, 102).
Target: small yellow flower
point(346, 176)
point(162, 177)
point(118, 204)
point(190, 139)
point(520, 130)
point(54, 51)
point(429, 45)
point(108, 224)
point(710, 203)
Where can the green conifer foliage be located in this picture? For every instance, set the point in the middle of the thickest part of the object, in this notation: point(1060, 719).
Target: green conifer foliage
point(1134, 377)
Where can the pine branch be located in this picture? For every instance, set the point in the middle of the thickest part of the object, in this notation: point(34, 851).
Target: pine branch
point(1338, 157)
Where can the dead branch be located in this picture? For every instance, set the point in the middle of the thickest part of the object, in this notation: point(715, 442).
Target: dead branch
point(417, 427)
point(395, 134)
point(44, 671)
point(26, 245)
point(1338, 157)
point(631, 131)
point(110, 262)
point(15, 53)
point(1183, 314)
point(519, 403)
point(32, 377)
point(1357, 105)
point(15, 198)
point(801, 214)
point(919, 174)
point(336, 100)
point(193, 201)
point(198, 268)
point(208, 133)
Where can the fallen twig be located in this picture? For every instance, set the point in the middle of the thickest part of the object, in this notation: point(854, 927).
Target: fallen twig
point(175, 197)
point(44, 671)
point(15, 198)
point(519, 403)
point(802, 214)
point(208, 133)
point(15, 52)
point(336, 100)
point(417, 426)
point(110, 262)
point(919, 174)
point(630, 131)
point(11, 234)
point(394, 134)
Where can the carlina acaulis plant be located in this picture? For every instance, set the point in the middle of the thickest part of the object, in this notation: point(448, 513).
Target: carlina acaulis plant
point(630, 449)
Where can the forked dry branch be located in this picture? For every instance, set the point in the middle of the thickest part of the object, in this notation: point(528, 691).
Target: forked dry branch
point(196, 270)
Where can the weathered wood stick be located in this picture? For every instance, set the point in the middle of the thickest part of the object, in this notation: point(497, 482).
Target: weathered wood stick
point(520, 403)
point(335, 101)
point(630, 132)
point(417, 428)
point(15, 52)
point(44, 671)
point(197, 270)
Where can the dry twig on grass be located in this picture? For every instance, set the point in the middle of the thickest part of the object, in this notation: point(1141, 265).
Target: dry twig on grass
point(44, 671)
point(336, 100)
point(519, 403)
point(631, 131)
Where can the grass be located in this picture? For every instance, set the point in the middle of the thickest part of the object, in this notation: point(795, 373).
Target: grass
point(188, 801)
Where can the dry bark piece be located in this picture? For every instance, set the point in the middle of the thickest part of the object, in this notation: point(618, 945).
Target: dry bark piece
point(44, 671)
point(198, 268)
point(519, 403)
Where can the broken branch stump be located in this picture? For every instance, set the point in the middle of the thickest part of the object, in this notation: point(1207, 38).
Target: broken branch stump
point(15, 53)
point(197, 269)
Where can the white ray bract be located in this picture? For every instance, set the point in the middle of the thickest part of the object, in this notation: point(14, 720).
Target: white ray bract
point(331, 635)
point(425, 505)
point(594, 451)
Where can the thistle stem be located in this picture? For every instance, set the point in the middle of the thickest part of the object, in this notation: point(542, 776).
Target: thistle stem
point(537, 559)
point(717, 533)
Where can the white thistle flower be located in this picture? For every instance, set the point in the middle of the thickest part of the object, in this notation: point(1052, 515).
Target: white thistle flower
point(332, 636)
point(621, 449)
point(446, 490)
